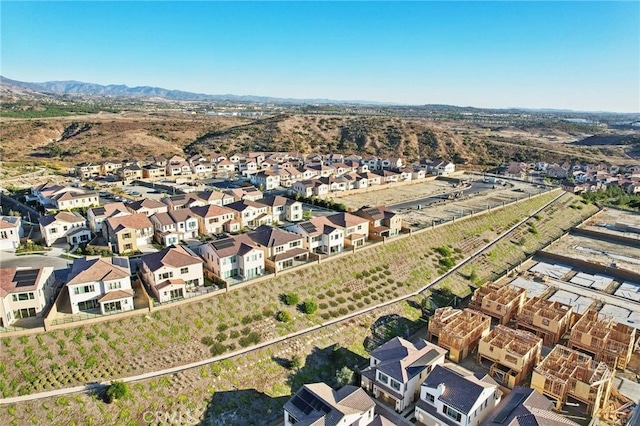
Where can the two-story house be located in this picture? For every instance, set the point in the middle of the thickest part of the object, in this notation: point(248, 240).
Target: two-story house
point(183, 201)
point(58, 197)
point(153, 171)
point(174, 226)
point(397, 369)
point(282, 249)
point(282, 209)
point(216, 198)
point(318, 404)
point(251, 214)
point(267, 180)
point(10, 232)
point(129, 233)
point(356, 228)
point(69, 227)
point(147, 206)
point(171, 272)
point(250, 193)
point(213, 219)
point(320, 235)
point(24, 292)
point(102, 283)
point(236, 257)
point(97, 215)
point(383, 223)
point(452, 395)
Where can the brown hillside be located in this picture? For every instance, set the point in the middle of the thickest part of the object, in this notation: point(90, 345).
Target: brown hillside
point(142, 135)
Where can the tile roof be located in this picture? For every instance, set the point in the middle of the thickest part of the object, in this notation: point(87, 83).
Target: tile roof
point(346, 220)
point(170, 282)
point(523, 407)
point(461, 388)
point(7, 222)
point(88, 269)
point(133, 221)
point(145, 203)
point(273, 237)
point(116, 295)
point(318, 404)
point(109, 209)
point(173, 256)
point(403, 360)
point(232, 246)
point(211, 211)
point(68, 217)
point(11, 280)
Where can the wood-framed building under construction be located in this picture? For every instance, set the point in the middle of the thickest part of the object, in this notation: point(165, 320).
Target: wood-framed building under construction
point(502, 303)
point(512, 354)
point(566, 373)
point(604, 339)
point(457, 330)
point(544, 318)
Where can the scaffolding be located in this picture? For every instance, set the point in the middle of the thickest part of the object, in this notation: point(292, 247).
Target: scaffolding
point(608, 341)
point(459, 331)
point(502, 303)
point(546, 319)
point(568, 373)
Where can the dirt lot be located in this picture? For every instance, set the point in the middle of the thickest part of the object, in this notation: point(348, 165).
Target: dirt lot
point(606, 220)
point(597, 251)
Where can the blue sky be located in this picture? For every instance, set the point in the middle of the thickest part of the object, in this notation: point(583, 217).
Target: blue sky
point(577, 55)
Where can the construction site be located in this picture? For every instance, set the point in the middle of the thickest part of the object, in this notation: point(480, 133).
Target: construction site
point(566, 375)
point(457, 330)
point(511, 353)
point(606, 340)
point(546, 319)
point(501, 303)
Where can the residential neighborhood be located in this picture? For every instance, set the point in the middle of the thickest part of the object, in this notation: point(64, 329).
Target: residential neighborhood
point(202, 236)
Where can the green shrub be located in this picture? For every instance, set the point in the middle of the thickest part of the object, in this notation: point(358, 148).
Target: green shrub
point(443, 251)
point(234, 334)
point(331, 293)
point(252, 339)
point(341, 299)
point(118, 390)
point(283, 316)
point(221, 337)
point(290, 299)
point(323, 306)
point(207, 340)
point(217, 349)
point(222, 327)
point(309, 307)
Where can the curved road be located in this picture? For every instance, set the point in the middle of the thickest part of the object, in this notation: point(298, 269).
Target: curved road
point(97, 386)
point(475, 186)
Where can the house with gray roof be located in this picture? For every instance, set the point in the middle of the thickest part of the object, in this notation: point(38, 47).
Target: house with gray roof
point(452, 395)
point(317, 404)
point(525, 406)
point(397, 369)
point(282, 249)
point(233, 258)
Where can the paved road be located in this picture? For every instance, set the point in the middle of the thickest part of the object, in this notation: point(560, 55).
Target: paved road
point(94, 386)
point(8, 259)
point(476, 186)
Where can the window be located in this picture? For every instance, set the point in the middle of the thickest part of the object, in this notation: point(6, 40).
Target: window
point(24, 313)
point(279, 249)
point(430, 398)
point(450, 412)
point(383, 377)
point(22, 296)
point(84, 289)
point(395, 384)
point(65, 227)
point(184, 270)
point(54, 230)
point(88, 305)
point(165, 275)
point(112, 306)
point(126, 236)
point(114, 286)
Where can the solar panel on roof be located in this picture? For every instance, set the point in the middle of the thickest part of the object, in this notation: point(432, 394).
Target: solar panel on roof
point(25, 278)
point(312, 402)
point(371, 211)
point(223, 244)
point(510, 406)
point(308, 227)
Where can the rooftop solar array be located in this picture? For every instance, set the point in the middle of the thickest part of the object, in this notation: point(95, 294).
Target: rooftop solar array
point(25, 278)
point(307, 402)
point(309, 227)
point(223, 244)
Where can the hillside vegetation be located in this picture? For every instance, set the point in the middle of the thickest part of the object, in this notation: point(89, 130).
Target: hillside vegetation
point(113, 136)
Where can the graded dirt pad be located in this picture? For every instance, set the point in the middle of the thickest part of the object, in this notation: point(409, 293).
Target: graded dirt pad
point(606, 221)
point(387, 196)
point(597, 251)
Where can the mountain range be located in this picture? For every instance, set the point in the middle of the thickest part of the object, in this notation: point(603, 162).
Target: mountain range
point(120, 90)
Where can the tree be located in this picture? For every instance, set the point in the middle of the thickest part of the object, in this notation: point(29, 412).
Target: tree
point(344, 376)
point(118, 390)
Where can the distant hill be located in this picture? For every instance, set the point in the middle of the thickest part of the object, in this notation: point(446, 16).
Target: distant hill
point(121, 90)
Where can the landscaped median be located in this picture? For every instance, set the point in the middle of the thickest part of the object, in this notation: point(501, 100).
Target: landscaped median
point(174, 336)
